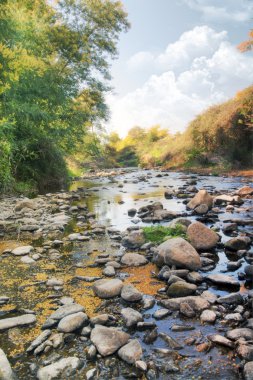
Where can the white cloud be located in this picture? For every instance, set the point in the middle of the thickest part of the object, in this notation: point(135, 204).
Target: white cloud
point(199, 41)
point(230, 10)
point(203, 69)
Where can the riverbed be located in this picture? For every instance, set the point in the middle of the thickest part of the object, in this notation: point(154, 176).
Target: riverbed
point(93, 208)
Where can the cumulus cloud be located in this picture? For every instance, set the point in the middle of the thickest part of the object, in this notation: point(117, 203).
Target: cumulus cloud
point(200, 69)
point(230, 10)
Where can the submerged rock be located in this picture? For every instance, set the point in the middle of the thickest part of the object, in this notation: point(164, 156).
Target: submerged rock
point(223, 279)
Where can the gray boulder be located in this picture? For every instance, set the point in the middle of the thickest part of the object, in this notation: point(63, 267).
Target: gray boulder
point(178, 252)
point(63, 367)
point(108, 288)
point(108, 339)
point(133, 260)
point(202, 237)
point(131, 352)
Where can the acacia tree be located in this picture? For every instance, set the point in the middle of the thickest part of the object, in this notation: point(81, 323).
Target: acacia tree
point(54, 72)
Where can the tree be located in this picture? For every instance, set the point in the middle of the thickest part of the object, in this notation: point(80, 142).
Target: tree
point(54, 72)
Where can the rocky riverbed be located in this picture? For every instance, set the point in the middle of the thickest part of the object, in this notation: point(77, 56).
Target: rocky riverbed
point(83, 294)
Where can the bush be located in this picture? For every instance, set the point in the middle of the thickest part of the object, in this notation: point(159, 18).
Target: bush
point(158, 234)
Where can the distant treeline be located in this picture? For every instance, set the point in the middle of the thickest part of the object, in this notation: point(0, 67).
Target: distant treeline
point(221, 137)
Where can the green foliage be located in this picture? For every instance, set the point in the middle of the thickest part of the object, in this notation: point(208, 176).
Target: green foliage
point(221, 138)
point(158, 234)
point(54, 73)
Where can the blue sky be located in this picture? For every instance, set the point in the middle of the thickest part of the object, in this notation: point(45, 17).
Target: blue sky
point(178, 58)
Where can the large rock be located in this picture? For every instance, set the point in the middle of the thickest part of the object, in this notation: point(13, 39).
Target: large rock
point(248, 371)
point(231, 299)
point(197, 303)
point(135, 239)
point(131, 352)
point(223, 279)
point(66, 310)
point(202, 197)
point(131, 316)
point(72, 322)
point(179, 252)
point(6, 372)
point(108, 339)
point(133, 260)
point(26, 203)
point(130, 294)
point(60, 369)
point(108, 288)
point(202, 237)
point(22, 251)
point(238, 243)
point(245, 190)
point(181, 289)
point(244, 333)
point(23, 320)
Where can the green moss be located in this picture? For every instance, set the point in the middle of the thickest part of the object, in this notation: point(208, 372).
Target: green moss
point(157, 234)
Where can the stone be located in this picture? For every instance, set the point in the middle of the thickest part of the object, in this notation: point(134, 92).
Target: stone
point(223, 279)
point(201, 209)
point(22, 251)
point(135, 239)
point(133, 260)
point(161, 313)
point(245, 351)
point(91, 374)
point(244, 333)
point(107, 288)
point(54, 282)
point(202, 237)
point(238, 243)
point(230, 299)
point(187, 310)
point(131, 352)
point(182, 221)
point(249, 271)
point(234, 317)
point(40, 339)
point(102, 319)
point(27, 260)
point(197, 303)
point(248, 371)
point(209, 296)
point(130, 294)
point(219, 339)
point(202, 197)
point(132, 211)
point(208, 316)
point(140, 364)
point(131, 316)
point(244, 191)
point(63, 367)
point(109, 271)
point(178, 252)
point(194, 277)
point(66, 310)
point(148, 303)
point(22, 320)
point(6, 372)
point(181, 289)
point(108, 339)
point(27, 203)
point(72, 322)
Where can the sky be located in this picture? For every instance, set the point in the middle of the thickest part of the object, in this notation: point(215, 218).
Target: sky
point(178, 58)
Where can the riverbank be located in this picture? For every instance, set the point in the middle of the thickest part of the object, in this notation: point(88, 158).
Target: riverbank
point(78, 260)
